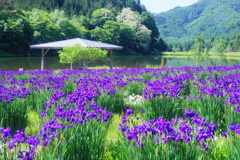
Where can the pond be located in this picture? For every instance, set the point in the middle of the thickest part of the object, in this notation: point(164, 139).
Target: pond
point(153, 61)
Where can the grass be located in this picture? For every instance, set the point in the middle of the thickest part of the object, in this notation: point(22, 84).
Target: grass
point(104, 67)
point(177, 53)
point(230, 54)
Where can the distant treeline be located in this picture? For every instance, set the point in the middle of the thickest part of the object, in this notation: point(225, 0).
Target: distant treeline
point(231, 41)
point(133, 27)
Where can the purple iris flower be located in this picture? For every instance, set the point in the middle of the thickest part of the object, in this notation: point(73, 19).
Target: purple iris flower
point(189, 113)
point(129, 111)
point(237, 109)
point(224, 133)
point(6, 132)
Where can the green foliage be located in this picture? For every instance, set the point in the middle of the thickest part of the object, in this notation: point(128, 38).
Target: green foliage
point(113, 102)
point(82, 141)
point(23, 77)
point(45, 30)
point(14, 114)
point(232, 144)
point(162, 151)
point(212, 18)
point(33, 123)
point(142, 33)
point(162, 107)
point(5, 5)
point(69, 87)
point(236, 43)
point(219, 48)
point(100, 16)
point(114, 33)
point(66, 27)
point(149, 21)
point(86, 141)
point(81, 54)
point(64, 19)
point(135, 88)
point(78, 7)
point(15, 32)
point(200, 52)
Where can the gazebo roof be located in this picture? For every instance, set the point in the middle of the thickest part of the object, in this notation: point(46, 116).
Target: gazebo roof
point(72, 42)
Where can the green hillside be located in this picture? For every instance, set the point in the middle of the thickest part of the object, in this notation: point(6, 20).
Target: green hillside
point(120, 22)
point(212, 18)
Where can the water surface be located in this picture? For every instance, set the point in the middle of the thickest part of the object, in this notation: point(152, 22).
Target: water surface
point(34, 63)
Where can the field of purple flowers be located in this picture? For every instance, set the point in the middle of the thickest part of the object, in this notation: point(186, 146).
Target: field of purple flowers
point(184, 113)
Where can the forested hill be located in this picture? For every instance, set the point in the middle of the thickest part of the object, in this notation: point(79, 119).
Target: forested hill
point(120, 22)
point(210, 17)
point(77, 7)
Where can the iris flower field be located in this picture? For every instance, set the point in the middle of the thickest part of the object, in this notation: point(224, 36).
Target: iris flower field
point(188, 113)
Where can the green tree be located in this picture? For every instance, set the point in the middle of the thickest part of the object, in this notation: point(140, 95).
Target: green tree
point(236, 43)
point(200, 52)
point(142, 33)
point(5, 5)
point(100, 16)
point(45, 30)
point(66, 27)
point(82, 21)
point(149, 21)
point(127, 36)
point(219, 47)
point(82, 55)
point(115, 33)
point(15, 32)
point(160, 45)
point(102, 35)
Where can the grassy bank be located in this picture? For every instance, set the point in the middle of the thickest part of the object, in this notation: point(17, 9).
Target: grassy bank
point(230, 54)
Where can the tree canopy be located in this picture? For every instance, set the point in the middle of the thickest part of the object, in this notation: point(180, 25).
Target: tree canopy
point(84, 56)
point(21, 28)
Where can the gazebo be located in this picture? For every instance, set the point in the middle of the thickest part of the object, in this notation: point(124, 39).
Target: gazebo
point(72, 42)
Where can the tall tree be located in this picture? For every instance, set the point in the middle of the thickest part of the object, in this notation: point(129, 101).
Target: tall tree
point(219, 48)
point(45, 30)
point(236, 43)
point(5, 5)
point(199, 50)
point(15, 32)
point(100, 16)
point(142, 33)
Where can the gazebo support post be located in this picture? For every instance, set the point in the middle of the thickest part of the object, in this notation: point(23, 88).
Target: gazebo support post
point(84, 64)
point(42, 60)
point(111, 58)
point(162, 62)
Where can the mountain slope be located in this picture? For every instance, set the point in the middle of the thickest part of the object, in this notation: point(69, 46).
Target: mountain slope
point(210, 17)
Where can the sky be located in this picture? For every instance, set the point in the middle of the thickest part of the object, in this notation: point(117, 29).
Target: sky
point(157, 6)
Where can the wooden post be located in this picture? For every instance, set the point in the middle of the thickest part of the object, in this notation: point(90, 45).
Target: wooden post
point(42, 60)
point(84, 64)
point(111, 59)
